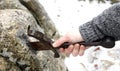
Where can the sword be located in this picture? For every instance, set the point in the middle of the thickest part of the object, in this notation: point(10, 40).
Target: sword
point(45, 43)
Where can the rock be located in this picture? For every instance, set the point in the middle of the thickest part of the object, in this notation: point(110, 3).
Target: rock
point(13, 39)
point(15, 55)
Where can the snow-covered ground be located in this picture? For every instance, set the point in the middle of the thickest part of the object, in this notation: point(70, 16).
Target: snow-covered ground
point(68, 15)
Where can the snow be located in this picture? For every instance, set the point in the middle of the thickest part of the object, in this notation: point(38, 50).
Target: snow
point(69, 15)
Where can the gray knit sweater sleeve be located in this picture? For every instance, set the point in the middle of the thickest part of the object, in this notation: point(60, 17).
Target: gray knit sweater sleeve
point(105, 24)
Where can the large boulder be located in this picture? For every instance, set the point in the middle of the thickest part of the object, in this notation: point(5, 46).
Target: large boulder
point(15, 55)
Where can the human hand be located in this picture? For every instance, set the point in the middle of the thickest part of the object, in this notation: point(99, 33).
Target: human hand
point(71, 37)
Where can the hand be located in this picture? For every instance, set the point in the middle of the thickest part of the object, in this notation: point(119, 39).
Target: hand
point(71, 37)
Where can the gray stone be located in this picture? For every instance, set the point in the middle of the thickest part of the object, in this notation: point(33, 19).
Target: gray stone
point(15, 55)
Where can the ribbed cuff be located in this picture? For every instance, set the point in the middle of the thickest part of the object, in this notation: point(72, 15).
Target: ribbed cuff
point(88, 33)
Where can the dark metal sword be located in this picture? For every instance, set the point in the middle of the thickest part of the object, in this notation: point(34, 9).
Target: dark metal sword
point(45, 43)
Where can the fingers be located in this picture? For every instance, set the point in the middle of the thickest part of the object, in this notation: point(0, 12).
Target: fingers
point(78, 50)
point(74, 49)
point(82, 50)
point(69, 50)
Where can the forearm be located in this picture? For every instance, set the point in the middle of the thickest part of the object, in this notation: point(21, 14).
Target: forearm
point(105, 24)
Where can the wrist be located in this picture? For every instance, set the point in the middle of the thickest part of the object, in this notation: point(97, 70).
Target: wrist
point(80, 38)
point(76, 36)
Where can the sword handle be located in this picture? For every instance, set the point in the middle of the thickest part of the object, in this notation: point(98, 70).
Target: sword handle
point(106, 42)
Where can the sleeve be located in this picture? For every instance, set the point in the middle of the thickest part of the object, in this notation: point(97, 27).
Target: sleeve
point(105, 24)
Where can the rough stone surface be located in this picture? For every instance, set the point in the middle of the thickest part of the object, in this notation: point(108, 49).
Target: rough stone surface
point(15, 55)
point(13, 27)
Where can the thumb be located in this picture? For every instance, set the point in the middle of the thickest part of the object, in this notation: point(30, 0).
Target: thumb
point(60, 41)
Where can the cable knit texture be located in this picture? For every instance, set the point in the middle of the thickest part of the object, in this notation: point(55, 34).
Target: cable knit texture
point(105, 24)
